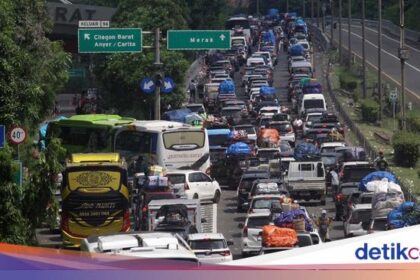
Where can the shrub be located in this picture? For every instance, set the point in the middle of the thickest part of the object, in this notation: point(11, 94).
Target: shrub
point(370, 110)
point(347, 82)
point(413, 121)
point(406, 148)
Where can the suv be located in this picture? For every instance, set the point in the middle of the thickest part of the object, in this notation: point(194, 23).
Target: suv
point(245, 185)
point(251, 231)
point(358, 221)
point(210, 247)
point(197, 185)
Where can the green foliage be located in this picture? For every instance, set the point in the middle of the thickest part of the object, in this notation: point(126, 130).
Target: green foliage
point(208, 14)
point(370, 110)
point(406, 148)
point(32, 67)
point(347, 82)
point(413, 121)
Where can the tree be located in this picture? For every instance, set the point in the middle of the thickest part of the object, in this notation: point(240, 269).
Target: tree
point(208, 14)
point(32, 68)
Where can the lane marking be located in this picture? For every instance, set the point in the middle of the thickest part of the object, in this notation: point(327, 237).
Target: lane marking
point(383, 35)
point(383, 73)
point(384, 51)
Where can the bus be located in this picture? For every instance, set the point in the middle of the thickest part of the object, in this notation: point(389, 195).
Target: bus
point(172, 145)
point(95, 197)
point(86, 133)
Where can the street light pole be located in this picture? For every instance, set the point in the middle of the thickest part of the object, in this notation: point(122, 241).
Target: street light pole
point(380, 58)
point(349, 27)
point(332, 23)
point(312, 11)
point(403, 53)
point(364, 86)
point(157, 64)
point(340, 46)
point(317, 12)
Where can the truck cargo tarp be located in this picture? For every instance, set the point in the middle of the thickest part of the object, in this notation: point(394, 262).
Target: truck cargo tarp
point(312, 87)
point(177, 115)
point(306, 151)
point(297, 50)
point(375, 176)
point(226, 86)
point(267, 91)
point(239, 148)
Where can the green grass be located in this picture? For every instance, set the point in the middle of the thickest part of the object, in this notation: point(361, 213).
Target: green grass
point(408, 176)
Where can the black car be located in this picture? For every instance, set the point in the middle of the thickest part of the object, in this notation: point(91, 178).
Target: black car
point(245, 185)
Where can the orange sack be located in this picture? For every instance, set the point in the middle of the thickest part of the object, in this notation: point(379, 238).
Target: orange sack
point(273, 236)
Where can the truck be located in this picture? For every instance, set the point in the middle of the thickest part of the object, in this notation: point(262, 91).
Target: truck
point(306, 180)
point(193, 210)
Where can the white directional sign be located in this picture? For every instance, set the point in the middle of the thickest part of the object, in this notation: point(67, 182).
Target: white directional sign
point(93, 23)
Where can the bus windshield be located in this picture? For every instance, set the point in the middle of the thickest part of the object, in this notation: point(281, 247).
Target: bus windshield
point(129, 142)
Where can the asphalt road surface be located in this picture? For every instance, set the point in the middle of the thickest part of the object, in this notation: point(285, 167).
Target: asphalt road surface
point(390, 61)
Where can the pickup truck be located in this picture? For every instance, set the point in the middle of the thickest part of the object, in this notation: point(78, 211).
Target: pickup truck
point(306, 180)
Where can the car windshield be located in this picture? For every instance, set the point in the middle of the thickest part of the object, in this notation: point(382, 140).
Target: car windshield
point(265, 203)
point(349, 190)
point(304, 240)
point(354, 174)
point(218, 140)
point(313, 103)
point(258, 222)
point(231, 113)
point(208, 244)
point(176, 178)
point(329, 160)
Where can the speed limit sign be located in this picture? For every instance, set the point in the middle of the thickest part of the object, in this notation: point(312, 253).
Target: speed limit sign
point(17, 135)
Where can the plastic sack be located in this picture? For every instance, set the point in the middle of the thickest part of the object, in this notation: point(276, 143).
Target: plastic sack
point(395, 214)
point(406, 207)
point(273, 236)
point(306, 151)
point(377, 175)
point(239, 148)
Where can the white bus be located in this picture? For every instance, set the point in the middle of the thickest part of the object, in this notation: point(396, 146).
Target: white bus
point(172, 145)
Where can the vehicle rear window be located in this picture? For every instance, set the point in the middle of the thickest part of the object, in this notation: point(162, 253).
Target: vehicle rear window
point(313, 103)
point(266, 203)
point(304, 240)
point(282, 128)
point(258, 222)
point(353, 174)
point(365, 200)
point(208, 244)
point(218, 140)
point(184, 140)
point(176, 178)
point(361, 216)
point(248, 129)
point(349, 190)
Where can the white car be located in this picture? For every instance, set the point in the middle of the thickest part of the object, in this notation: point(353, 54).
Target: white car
point(262, 203)
point(197, 185)
point(251, 232)
point(358, 221)
point(310, 118)
point(250, 130)
point(270, 110)
point(330, 146)
point(210, 247)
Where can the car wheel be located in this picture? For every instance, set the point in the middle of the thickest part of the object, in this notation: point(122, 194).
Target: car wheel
point(195, 196)
point(216, 197)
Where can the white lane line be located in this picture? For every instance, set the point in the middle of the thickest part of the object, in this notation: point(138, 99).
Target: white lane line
point(385, 74)
point(214, 218)
point(386, 36)
point(384, 51)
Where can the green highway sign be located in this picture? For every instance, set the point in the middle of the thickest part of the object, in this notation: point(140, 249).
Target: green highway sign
point(198, 39)
point(110, 40)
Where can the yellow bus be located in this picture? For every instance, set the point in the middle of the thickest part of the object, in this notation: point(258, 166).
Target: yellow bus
point(95, 197)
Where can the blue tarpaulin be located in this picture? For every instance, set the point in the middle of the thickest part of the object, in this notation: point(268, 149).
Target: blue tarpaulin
point(267, 91)
point(273, 13)
point(375, 176)
point(312, 87)
point(239, 148)
point(297, 50)
point(286, 218)
point(306, 151)
point(226, 86)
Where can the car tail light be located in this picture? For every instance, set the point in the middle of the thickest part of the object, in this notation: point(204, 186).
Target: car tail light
point(144, 209)
point(289, 130)
point(126, 221)
point(245, 231)
point(186, 187)
point(340, 197)
point(225, 253)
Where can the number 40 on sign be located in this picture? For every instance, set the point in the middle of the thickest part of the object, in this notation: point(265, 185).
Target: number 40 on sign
point(17, 135)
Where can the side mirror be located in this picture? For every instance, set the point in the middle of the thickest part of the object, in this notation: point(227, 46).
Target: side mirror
point(240, 225)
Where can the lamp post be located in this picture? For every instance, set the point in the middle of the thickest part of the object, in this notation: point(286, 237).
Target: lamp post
point(340, 46)
point(332, 23)
point(403, 54)
point(380, 58)
point(312, 11)
point(318, 7)
point(349, 27)
point(364, 86)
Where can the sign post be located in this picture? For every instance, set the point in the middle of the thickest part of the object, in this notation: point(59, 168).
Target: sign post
point(393, 96)
point(198, 39)
point(17, 135)
point(110, 40)
point(2, 136)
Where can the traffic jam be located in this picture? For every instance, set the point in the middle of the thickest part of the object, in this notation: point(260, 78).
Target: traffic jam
point(257, 131)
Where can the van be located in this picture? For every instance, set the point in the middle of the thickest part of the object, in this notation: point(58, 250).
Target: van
point(312, 101)
point(301, 67)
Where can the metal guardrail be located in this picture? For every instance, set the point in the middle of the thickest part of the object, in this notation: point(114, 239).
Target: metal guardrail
point(371, 152)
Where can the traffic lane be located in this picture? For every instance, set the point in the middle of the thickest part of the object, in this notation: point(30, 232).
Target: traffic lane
point(390, 64)
point(229, 219)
